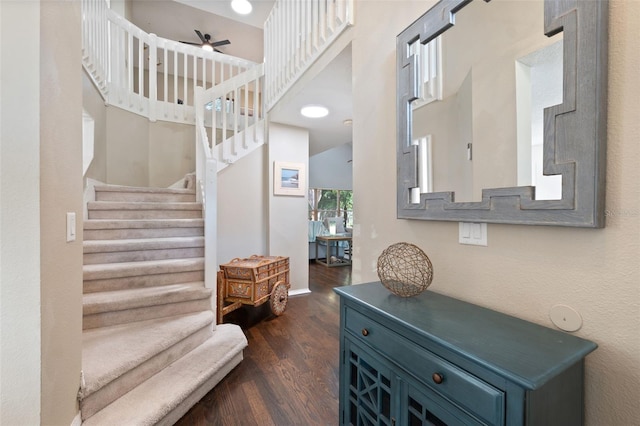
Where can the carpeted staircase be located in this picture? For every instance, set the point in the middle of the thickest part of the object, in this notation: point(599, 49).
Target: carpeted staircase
point(151, 348)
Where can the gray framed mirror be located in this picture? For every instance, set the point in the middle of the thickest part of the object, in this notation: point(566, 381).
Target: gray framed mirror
point(478, 111)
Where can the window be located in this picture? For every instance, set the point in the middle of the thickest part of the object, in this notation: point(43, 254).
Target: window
point(331, 203)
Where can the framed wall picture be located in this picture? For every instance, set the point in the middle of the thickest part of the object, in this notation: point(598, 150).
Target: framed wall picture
point(289, 179)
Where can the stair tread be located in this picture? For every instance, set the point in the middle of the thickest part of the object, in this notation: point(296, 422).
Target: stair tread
point(136, 244)
point(91, 224)
point(109, 352)
point(151, 401)
point(104, 301)
point(144, 205)
point(145, 267)
point(143, 189)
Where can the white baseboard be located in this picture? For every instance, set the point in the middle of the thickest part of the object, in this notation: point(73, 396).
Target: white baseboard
point(299, 292)
point(77, 420)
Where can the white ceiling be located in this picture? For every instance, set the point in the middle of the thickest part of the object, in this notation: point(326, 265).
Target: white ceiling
point(177, 20)
point(259, 14)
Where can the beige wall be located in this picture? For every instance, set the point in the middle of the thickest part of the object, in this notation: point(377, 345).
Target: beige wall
point(144, 153)
point(525, 270)
point(127, 148)
point(172, 152)
point(60, 192)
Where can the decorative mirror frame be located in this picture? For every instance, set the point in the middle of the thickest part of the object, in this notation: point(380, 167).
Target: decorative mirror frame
point(576, 128)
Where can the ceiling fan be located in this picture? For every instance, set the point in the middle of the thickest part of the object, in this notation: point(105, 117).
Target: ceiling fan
point(206, 42)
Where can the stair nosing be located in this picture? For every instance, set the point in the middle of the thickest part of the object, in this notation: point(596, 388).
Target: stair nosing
point(143, 205)
point(104, 301)
point(99, 224)
point(197, 377)
point(141, 244)
point(144, 190)
point(145, 334)
point(127, 269)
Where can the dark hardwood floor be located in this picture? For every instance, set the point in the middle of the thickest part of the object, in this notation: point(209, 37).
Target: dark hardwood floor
point(289, 375)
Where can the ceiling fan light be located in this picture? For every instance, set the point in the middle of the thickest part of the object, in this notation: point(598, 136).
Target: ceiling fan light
point(207, 47)
point(243, 7)
point(314, 111)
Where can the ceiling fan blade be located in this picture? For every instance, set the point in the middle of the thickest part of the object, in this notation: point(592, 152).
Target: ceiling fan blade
point(204, 40)
point(220, 43)
point(193, 44)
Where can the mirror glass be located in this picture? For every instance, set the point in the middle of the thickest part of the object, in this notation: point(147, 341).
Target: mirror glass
point(499, 72)
point(501, 112)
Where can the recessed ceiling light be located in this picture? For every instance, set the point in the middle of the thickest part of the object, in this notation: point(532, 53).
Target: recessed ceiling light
point(314, 111)
point(243, 7)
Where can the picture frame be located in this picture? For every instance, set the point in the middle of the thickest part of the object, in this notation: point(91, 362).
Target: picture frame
point(289, 179)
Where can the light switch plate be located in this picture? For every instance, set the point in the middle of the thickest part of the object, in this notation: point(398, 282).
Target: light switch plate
point(472, 233)
point(71, 227)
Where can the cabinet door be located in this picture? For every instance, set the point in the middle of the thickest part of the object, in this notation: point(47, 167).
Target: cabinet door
point(376, 392)
point(368, 388)
point(423, 407)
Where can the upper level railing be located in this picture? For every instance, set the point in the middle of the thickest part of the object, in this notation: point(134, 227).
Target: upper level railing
point(296, 33)
point(147, 74)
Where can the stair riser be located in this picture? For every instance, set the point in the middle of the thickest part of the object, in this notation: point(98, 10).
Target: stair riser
point(144, 197)
point(115, 234)
point(142, 255)
point(123, 283)
point(145, 313)
point(132, 378)
point(145, 214)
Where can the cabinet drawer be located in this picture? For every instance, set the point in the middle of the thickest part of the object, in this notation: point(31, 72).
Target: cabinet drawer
point(476, 397)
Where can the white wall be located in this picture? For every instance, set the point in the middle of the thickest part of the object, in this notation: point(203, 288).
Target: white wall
point(288, 226)
point(41, 180)
point(332, 169)
point(242, 207)
point(525, 270)
point(20, 333)
point(93, 103)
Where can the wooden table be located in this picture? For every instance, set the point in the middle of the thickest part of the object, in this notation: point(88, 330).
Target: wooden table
point(331, 241)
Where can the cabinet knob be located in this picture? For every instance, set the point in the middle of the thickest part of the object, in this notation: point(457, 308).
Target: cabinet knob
point(437, 378)
point(365, 332)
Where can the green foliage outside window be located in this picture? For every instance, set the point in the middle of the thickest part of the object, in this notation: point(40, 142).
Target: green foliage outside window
point(331, 203)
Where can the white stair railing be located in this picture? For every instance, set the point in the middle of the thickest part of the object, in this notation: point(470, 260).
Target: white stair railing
point(236, 128)
point(157, 77)
point(296, 33)
point(95, 45)
point(147, 74)
point(207, 193)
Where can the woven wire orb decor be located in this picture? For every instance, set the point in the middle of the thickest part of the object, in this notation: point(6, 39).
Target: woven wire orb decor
point(404, 269)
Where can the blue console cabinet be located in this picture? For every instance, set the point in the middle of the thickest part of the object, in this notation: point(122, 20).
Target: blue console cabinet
point(435, 360)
